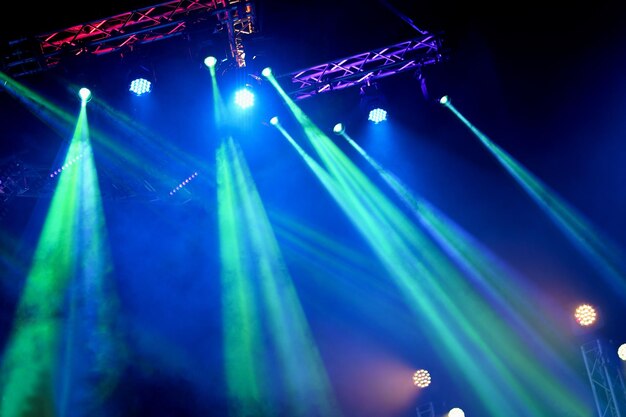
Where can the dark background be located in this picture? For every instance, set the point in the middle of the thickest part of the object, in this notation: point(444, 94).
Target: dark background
point(544, 82)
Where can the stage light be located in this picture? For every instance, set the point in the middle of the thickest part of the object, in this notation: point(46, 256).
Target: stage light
point(374, 103)
point(621, 352)
point(267, 71)
point(585, 315)
point(244, 98)
point(210, 61)
point(421, 378)
point(456, 412)
point(339, 128)
point(377, 115)
point(444, 100)
point(84, 94)
point(140, 86)
point(274, 121)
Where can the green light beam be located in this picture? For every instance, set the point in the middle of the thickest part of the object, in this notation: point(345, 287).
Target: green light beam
point(487, 273)
point(604, 254)
point(379, 223)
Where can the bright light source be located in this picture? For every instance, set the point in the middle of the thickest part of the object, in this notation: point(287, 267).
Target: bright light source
point(140, 86)
point(210, 61)
point(377, 115)
point(621, 352)
point(456, 412)
point(244, 98)
point(274, 121)
point(585, 315)
point(266, 72)
point(421, 378)
point(339, 128)
point(444, 100)
point(84, 94)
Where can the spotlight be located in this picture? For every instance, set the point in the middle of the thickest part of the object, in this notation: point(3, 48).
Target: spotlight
point(444, 100)
point(84, 94)
point(339, 128)
point(140, 80)
point(267, 71)
point(374, 103)
point(140, 86)
point(621, 352)
point(421, 378)
point(244, 98)
point(274, 121)
point(585, 315)
point(377, 115)
point(456, 412)
point(210, 61)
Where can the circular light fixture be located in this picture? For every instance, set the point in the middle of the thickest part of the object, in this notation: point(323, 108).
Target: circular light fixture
point(266, 72)
point(421, 378)
point(585, 315)
point(274, 121)
point(339, 128)
point(210, 61)
point(84, 94)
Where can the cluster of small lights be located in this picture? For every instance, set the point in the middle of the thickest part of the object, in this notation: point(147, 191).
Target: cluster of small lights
point(621, 352)
point(377, 115)
point(244, 98)
point(585, 315)
point(66, 165)
point(140, 86)
point(183, 183)
point(421, 378)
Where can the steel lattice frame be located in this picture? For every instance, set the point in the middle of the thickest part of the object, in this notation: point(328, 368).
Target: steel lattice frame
point(366, 67)
point(601, 380)
point(35, 54)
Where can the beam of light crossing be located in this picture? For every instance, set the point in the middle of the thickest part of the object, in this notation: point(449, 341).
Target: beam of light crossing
point(439, 294)
point(598, 249)
point(487, 272)
point(265, 329)
point(61, 348)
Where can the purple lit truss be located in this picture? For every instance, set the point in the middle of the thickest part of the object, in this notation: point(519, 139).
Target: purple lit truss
point(366, 67)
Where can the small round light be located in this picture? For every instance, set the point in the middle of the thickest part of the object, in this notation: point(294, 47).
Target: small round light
point(421, 378)
point(444, 100)
point(585, 315)
point(84, 94)
point(210, 61)
point(274, 121)
point(621, 352)
point(267, 71)
point(339, 128)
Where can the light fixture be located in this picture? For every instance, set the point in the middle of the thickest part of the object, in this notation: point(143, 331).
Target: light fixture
point(373, 102)
point(210, 61)
point(339, 129)
point(456, 412)
point(140, 80)
point(274, 121)
point(244, 97)
point(84, 94)
point(445, 100)
point(421, 378)
point(585, 315)
point(621, 352)
point(267, 71)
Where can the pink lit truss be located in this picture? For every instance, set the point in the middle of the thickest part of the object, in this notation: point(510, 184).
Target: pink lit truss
point(35, 54)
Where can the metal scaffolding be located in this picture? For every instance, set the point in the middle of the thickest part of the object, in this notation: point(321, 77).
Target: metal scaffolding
point(606, 381)
point(162, 21)
point(366, 67)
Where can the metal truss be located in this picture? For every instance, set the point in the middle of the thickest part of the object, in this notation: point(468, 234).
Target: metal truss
point(366, 67)
point(426, 410)
point(38, 53)
point(606, 381)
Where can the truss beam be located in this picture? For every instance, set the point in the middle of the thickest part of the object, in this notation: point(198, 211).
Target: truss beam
point(35, 54)
point(366, 67)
